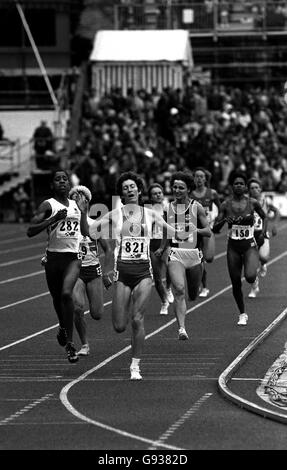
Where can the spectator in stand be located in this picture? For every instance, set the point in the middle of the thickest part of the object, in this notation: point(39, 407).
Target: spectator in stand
point(21, 204)
point(43, 139)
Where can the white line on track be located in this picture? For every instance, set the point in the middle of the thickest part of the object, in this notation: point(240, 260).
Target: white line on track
point(65, 390)
point(21, 248)
point(25, 409)
point(174, 427)
point(18, 278)
point(19, 261)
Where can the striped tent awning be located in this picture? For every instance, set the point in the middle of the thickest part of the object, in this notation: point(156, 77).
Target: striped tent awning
point(140, 59)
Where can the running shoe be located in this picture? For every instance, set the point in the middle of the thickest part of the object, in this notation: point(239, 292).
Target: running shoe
point(204, 292)
point(164, 308)
point(242, 319)
point(170, 297)
point(263, 270)
point(71, 352)
point(253, 293)
point(84, 351)
point(62, 336)
point(135, 373)
point(182, 334)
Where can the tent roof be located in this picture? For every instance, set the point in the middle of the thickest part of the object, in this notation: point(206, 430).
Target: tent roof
point(142, 45)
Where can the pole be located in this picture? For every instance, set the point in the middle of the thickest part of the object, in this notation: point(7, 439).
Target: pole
point(38, 57)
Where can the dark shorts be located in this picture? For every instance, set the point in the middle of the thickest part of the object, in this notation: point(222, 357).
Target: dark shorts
point(56, 267)
point(89, 273)
point(131, 274)
point(259, 238)
point(241, 246)
point(154, 244)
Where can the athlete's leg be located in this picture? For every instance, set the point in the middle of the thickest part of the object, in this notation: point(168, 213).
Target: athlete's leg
point(193, 280)
point(96, 298)
point(176, 272)
point(70, 278)
point(157, 267)
point(234, 264)
point(79, 296)
point(264, 251)
point(140, 299)
point(251, 261)
point(120, 306)
point(54, 278)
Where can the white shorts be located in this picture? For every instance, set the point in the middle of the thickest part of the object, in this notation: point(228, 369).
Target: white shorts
point(188, 257)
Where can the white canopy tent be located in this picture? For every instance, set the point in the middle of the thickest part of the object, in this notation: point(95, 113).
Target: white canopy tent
point(140, 59)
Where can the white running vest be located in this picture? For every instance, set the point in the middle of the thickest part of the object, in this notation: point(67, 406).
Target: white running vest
point(64, 235)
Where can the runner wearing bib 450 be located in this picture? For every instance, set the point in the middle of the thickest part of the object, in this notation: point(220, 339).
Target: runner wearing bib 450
point(238, 212)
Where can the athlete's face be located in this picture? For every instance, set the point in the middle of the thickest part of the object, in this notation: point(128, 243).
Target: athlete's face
point(61, 182)
point(180, 190)
point(254, 190)
point(130, 192)
point(239, 186)
point(199, 178)
point(156, 195)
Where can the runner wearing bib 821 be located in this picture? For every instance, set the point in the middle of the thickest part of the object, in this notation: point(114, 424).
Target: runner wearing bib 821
point(131, 228)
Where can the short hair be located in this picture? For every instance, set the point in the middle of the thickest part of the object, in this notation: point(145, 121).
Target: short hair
point(253, 180)
point(237, 174)
point(152, 186)
point(200, 168)
point(129, 175)
point(185, 176)
point(59, 170)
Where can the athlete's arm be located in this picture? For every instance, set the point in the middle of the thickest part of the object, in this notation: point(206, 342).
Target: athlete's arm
point(215, 198)
point(220, 219)
point(205, 231)
point(260, 211)
point(105, 245)
point(41, 221)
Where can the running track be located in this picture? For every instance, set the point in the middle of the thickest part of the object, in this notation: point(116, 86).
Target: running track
point(191, 390)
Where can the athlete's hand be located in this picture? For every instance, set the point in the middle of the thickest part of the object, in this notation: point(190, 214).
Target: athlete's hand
point(159, 252)
point(82, 202)
point(107, 281)
point(60, 215)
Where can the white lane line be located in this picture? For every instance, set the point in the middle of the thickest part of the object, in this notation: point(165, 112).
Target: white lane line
point(175, 426)
point(73, 411)
point(25, 300)
point(18, 278)
point(22, 248)
point(13, 240)
point(25, 409)
point(65, 390)
point(22, 340)
point(21, 260)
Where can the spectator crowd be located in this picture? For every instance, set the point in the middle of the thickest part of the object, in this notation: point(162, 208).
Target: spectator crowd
point(220, 128)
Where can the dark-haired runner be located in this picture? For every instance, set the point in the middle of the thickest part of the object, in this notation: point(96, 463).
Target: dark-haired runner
point(185, 256)
point(209, 199)
point(60, 216)
point(238, 212)
point(131, 228)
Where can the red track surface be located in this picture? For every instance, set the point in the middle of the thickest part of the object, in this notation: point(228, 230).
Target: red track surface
point(49, 404)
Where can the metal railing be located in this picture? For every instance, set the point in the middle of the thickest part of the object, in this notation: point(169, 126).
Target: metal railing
point(209, 17)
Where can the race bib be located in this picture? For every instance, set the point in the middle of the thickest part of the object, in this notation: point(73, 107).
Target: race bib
point(68, 228)
point(241, 232)
point(133, 248)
